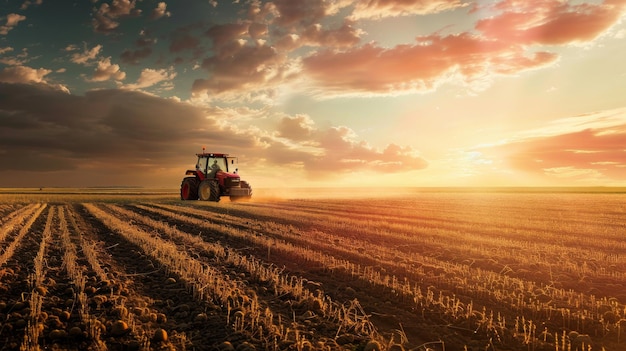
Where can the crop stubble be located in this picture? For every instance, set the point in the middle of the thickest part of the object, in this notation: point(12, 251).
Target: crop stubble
point(476, 271)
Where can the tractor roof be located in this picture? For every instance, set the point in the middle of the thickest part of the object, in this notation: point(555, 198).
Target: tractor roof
point(211, 154)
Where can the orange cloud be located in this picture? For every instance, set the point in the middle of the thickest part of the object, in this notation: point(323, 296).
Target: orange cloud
point(551, 22)
point(336, 150)
point(296, 128)
point(504, 44)
point(590, 151)
point(420, 66)
point(344, 154)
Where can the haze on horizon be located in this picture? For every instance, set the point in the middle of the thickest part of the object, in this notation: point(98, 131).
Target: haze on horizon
point(314, 92)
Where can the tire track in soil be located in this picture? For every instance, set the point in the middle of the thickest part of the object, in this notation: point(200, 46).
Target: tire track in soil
point(198, 324)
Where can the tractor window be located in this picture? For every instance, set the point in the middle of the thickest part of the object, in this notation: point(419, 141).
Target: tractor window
point(220, 162)
point(202, 162)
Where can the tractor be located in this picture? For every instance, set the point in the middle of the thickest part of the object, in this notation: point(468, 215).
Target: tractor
point(212, 179)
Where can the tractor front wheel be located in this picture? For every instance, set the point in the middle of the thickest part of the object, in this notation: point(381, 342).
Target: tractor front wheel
point(209, 190)
point(189, 189)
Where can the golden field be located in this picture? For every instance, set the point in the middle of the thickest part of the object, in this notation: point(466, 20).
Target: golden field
point(478, 269)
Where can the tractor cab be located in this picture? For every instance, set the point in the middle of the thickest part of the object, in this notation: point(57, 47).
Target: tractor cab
point(210, 165)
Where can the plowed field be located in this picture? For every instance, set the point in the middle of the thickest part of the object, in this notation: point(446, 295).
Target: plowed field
point(436, 271)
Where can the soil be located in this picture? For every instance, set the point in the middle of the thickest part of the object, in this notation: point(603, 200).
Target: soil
point(125, 298)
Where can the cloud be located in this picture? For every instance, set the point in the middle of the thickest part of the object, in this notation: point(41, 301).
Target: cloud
point(222, 35)
point(144, 45)
point(104, 19)
point(23, 74)
point(257, 30)
point(183, 41)
point(85, 57)
point(418, 67)
point(115, 130)
point(107, 71)
point(12, 20)
point(237, 65)
point(593, 153)
point(27, 3)
point(345, 36)
point(18, 60)
point(343, 153)
point(103, 24)
point(550, 22)
point(335, 151)
point(150, 77)
point(160, 11)
point(120, 8)
point(29, 75)
point(377, 9)
point(304, 12)
point(513, 40)
point(298, 128)
point(242, 58)
point(304, 23)
point(135, 56)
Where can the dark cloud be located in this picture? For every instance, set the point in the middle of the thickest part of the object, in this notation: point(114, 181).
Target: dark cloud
point(44, 129)
point(252, 54)
point(223, 34)
point(301, 12)
point(184, 41)
point(257, 30)
point(238, 66)
point(135, 56)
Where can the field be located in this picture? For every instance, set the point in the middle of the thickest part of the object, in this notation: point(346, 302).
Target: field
point(449, 270)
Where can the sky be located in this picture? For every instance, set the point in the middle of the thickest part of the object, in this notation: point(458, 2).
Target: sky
point(314, 93)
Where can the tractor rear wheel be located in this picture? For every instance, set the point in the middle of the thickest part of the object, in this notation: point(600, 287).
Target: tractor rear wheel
point(189, 189)
point(209, 190)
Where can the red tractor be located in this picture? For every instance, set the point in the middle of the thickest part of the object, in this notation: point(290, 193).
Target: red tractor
point(211, 179)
